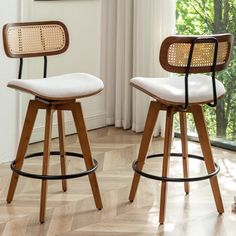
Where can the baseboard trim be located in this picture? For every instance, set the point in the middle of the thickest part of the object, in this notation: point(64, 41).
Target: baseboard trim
point(92, 122)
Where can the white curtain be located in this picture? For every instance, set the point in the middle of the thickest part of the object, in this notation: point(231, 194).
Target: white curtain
point(132, 32)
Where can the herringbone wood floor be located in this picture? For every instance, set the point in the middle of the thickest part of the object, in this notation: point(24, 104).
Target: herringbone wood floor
point(74, 213)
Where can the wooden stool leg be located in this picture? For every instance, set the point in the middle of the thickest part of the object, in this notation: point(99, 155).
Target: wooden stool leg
point(184, 142)
point(46, 155)
point(84, 143)
point(166, 157)
point(207, 153)
point(61, 132)
point(24, 141)
point(153, 112)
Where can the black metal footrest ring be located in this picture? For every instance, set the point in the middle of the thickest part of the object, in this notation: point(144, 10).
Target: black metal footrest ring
point(171, 179)
point(54, 177)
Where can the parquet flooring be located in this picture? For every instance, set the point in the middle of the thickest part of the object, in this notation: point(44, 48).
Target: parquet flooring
point(74, 213)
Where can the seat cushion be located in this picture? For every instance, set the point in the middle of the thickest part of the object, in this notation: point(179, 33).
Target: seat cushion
point(172, 90)
point(63, 87)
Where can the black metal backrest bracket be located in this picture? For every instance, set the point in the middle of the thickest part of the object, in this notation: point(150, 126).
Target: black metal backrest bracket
point(44, 67)
point(185, 107)
point(20, 68)
point(200, 40)
point(214, 40)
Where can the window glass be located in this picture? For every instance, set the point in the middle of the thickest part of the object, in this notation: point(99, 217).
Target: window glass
point(200, 17)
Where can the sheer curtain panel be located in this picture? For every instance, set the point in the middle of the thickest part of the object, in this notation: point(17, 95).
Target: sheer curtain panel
point(132, 32)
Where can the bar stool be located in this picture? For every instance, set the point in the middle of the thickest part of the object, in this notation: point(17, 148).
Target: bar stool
point(191, 56)
point(58, 93)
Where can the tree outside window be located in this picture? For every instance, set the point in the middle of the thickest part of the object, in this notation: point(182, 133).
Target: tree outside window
point(201, 17)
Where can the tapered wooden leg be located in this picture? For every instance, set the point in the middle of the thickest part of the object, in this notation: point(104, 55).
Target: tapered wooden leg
point(46, 155)
point(153, 112)
point(207, 153)
point(184, 142)
point(84, 143)
point(166, 157)
point(24, 141)
point(61, 132)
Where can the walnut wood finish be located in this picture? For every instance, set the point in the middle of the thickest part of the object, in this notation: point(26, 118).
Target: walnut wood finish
point(165, 102)
point(34, 39)
point(61, 132)
point(47, 38)
point(153, 112)
point(200, 123)
point(174, 53)
point(84, 143)
point(51, 100)
point(46, 156)
point(184, 142)
point(24, 141)
point(166, 157)
point(197, 112)
point(75, 108)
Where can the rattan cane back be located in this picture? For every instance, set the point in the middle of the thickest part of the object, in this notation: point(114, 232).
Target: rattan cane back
point(34, 39)
point(175, 50)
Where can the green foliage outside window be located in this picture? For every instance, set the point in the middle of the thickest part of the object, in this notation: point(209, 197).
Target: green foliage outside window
point(199, 17)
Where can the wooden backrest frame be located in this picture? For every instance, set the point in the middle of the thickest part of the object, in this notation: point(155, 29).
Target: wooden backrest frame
point(187, 40)
point(45, 51)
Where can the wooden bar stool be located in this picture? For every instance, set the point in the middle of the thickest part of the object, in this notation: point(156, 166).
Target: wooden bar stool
point(58, 93)
point(189, 55)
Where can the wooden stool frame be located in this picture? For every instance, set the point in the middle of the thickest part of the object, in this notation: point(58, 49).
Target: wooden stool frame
point(75, 108)
point(48, 46)
point(182, 61)
point(212, 168)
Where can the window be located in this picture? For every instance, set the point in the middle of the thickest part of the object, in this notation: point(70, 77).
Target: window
point(200, 17)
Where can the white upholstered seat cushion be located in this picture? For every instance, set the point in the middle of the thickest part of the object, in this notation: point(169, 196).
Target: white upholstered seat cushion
point(172, 90)
point(62, 87)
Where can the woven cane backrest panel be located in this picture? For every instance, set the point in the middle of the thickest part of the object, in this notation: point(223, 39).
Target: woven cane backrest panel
point(35, 39)
point(203, 54)
point(176, 54)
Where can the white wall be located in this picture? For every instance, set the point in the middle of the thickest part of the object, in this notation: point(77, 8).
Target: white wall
point(9, 115)
point(83, 19)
